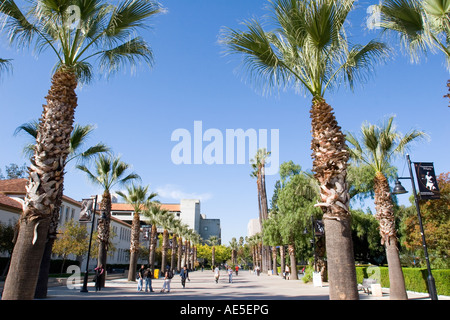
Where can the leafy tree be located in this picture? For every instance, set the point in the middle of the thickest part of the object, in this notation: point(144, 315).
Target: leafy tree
point(436, 221)
point(72, 240)
point(296, 206)
point(309, 49)
point(366, 238)
point(103, 36)
point(13, 171)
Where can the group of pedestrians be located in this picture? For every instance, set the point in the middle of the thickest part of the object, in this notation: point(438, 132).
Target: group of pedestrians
point(216, 271)
point(145, 276)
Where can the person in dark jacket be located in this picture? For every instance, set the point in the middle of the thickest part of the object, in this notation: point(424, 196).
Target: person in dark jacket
point(184, 274)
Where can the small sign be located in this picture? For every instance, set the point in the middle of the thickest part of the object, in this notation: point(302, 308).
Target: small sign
point(428, 187)
point(317, 279)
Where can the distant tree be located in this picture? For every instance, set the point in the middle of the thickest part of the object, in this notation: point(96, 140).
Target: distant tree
point(436, 221)
point(13, 171)
point(72, 240)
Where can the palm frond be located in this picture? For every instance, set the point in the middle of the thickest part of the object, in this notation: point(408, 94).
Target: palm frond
point(406, 20)
point(129, 53)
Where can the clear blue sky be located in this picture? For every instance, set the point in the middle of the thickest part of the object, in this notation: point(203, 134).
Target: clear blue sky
point(193, 81)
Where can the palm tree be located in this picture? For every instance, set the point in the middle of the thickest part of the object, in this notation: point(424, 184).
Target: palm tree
point(166, 222)
point(109, 172)
point(196, 239)
point(419, 25)
point(377, 148)
point(258, 166)
point(213, 241)
point(152, 214)
point(309, 49)
point(137, 196)
point(103, 33)
point(78, 138)
point(175, 227)
point(180, 230)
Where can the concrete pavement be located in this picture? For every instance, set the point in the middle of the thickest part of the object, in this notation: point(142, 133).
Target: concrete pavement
point(245, 286)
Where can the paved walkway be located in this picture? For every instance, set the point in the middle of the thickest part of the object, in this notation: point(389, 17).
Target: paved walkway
point(245, 286)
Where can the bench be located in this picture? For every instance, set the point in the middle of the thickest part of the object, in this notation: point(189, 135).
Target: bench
point(366, 285)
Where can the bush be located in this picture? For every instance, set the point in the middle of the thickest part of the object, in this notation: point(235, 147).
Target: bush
point(415, 278)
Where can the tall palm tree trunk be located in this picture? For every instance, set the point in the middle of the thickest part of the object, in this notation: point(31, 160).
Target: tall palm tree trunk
point(173, 251)
point(164, 249)
point(44, 270)
point(104, 222)
point(46, 176)
point(179, 253)
point(274, 260)
point(330, 169)
point(282, 259)
point(151, 258)
point(134, 246)
point(293, 262)
point(385, 216)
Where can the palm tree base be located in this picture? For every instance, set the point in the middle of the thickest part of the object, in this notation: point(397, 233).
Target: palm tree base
point(340, 260)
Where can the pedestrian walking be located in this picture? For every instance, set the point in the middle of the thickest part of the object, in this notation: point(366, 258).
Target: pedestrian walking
point(216, 274)
point(237, 269)
point(184, 274)
point(98, 277)
point(286, 272)
point(230, 275)
point(140, 276)
point(168, 275)
point(148, 280)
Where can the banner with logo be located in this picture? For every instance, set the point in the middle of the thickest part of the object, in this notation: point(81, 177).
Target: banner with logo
point(87, 206)
point(428, 186)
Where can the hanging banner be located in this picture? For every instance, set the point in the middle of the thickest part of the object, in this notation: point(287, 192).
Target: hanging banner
point(319, 229)
point(87, 206)
point(428, 187)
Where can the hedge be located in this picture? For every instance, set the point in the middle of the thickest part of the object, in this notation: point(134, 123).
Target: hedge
point(415, 278)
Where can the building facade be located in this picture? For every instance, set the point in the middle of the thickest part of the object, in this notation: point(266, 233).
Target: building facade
point(12, 195)
point(188, 211)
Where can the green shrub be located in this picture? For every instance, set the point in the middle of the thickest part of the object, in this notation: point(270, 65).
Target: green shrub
point(415, 278)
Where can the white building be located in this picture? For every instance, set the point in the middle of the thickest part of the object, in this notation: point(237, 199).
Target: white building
point(253, 227)
point(12, 195)
point(188, 211)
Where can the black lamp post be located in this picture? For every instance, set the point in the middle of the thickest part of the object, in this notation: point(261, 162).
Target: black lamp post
point(85, 280)
point(398, 189)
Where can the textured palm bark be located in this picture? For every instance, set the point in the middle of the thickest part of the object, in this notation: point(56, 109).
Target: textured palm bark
point(293, 262)
point(134, 246)
point(330, 169)
point(282, 259)
point(173, 251)
point(151, 258)
point(45, 178)
point(164, 249)
point(103, 228)
point(274, 260)
point(180, 246)
point(388, 233)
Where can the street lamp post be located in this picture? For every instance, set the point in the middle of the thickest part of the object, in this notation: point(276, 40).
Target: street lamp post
point(85, 280)
point(398, 189)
